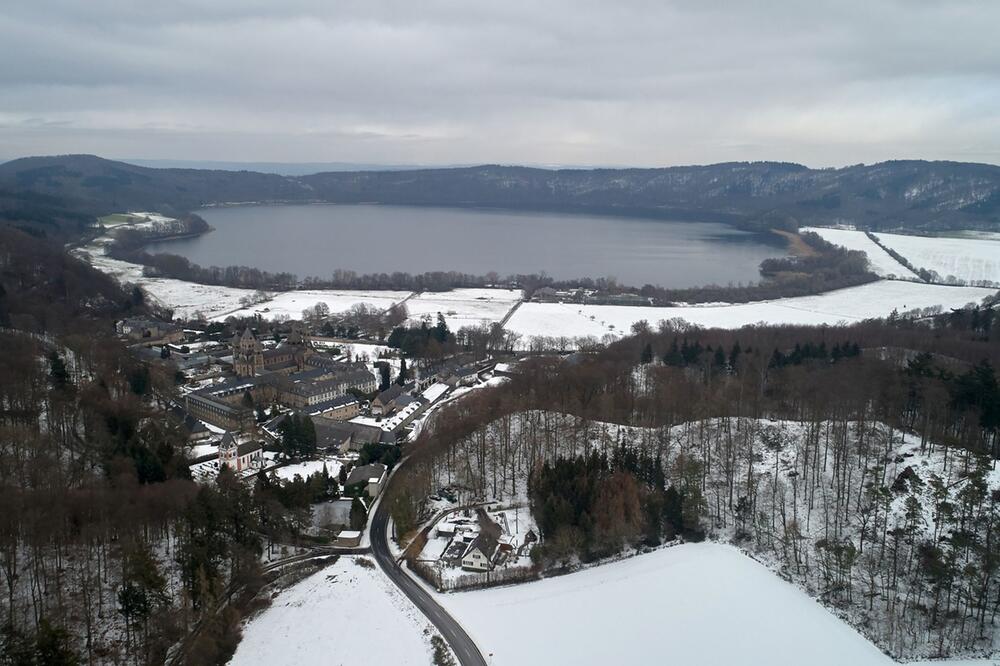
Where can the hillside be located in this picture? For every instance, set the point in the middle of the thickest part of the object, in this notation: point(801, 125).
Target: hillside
point(914, 195)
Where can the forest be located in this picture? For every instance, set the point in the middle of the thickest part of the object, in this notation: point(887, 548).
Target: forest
point(108, 551)
point(911, 194)
point(860, 462)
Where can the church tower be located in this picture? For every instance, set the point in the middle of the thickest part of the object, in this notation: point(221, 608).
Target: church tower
point(301, 345)
point(248, 355)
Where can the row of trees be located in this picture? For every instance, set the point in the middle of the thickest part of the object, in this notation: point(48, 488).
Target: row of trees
point(825, 268)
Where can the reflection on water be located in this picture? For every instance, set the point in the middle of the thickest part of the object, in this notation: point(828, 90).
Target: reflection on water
point(314, 240)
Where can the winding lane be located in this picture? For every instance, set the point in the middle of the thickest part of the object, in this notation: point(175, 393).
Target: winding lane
point(461, 644)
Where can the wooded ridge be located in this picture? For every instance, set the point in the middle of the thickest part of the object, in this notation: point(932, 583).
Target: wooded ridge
point(915, 195)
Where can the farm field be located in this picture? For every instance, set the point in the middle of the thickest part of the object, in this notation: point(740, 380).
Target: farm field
point(345, 613)
point(695, 604)
point(880, 261)
point(463, 307)
point(843, 306)
point(290, 304)
point(969, 260)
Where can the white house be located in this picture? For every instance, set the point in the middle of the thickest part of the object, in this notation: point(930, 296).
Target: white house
point(240, 457)
point(479, 556)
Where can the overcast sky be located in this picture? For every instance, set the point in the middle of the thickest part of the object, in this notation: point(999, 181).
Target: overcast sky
point(621, 82)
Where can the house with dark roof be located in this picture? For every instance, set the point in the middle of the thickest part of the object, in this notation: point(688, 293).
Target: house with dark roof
point(218, 412)
point(479, 555)
point(371, 476)
point(391, 399)
point(463, 375)
point(332, 436)
point(339, 409)
point(149, 330)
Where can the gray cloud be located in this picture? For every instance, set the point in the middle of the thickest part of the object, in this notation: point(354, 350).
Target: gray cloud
point(583, 82)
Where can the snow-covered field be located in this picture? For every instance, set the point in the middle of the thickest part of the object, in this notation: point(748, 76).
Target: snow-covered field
point(184, 298)
point(290, 304)
point(309, 467)
point(881, 263)
point(214, 302)
point(970, 260)
point(695, 604)
point(344, 614)
point(843, 306)
point(464, 307)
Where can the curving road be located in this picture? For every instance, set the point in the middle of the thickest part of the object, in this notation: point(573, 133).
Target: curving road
point(463, 646)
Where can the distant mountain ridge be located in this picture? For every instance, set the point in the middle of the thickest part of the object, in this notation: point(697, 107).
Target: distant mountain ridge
point(916, 195)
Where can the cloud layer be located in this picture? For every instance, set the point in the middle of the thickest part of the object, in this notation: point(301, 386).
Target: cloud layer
point(632, 82)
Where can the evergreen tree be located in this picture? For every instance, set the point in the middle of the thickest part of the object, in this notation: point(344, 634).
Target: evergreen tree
point(719, 360)
point(647, 354)
point(441, 331)
point(673, 510)
point(385, 380)
point(734, 356)
point(58, 372)
point(359, 517)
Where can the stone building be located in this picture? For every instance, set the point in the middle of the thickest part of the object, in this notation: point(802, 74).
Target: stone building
point(248, 354)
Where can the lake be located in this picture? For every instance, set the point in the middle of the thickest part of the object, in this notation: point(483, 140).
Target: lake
point(314, 240)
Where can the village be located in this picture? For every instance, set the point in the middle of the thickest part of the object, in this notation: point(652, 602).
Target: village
point(244, 401)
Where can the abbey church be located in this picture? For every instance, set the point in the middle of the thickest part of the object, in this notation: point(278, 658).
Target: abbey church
point(250, 358)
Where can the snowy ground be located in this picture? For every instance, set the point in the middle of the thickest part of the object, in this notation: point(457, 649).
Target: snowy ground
point(696, 604)
point(464, 307)
point(215, 302)
point(309, 467)
point(358, 351)
point(844, 306)
point(344, 614)
point(970, 260)
point(290, 304)
point(880, 261)
point(184, 298)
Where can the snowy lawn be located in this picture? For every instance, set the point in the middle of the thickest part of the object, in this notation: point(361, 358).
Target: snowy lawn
point(971, 260)
point(696, 604)
point(880, 261)
point(344, 614)
point(464, 307)
point(309, 467)
point(844, 306)
point(358, 351)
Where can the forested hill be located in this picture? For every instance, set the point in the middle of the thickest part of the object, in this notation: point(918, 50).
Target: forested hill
point(899, 194)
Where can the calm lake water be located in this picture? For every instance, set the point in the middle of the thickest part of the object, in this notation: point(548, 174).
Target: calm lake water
point(313, 240)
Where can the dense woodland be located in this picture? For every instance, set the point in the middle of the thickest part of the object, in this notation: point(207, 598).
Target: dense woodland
point(909, 194)
point(859, 463)
point(109, 553)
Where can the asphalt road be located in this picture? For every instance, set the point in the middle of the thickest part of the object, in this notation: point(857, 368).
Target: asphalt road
point(463, 646)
